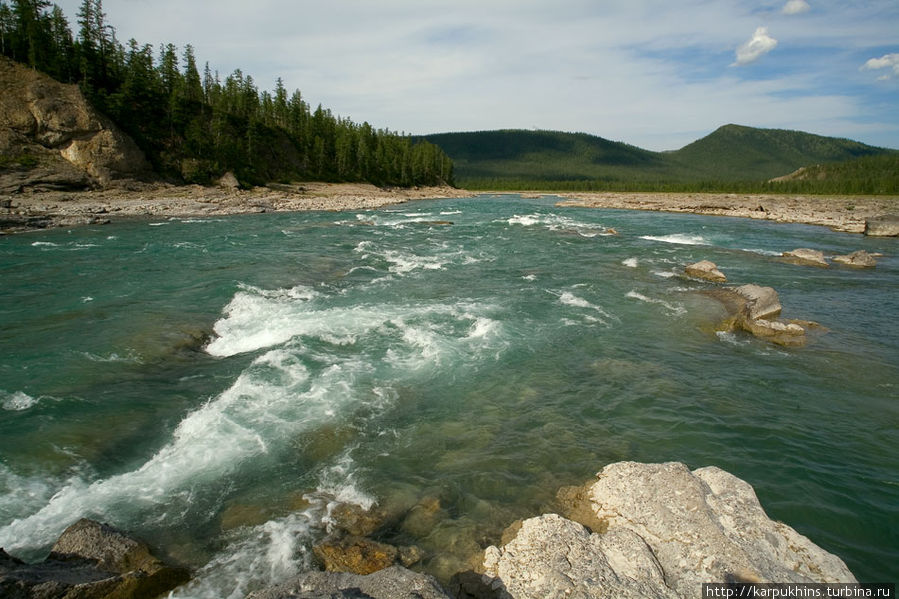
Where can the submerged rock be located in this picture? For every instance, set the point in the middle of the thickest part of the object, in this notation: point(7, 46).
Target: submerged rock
point(91, 560)
point(806, 257)
point(666, 531)
point(392, 583)
point(707, 270)
point(883, 226)
point(358, 555)
point(754, 309)
point(859, 259)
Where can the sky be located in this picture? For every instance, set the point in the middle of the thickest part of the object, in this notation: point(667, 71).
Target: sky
point(657, 74)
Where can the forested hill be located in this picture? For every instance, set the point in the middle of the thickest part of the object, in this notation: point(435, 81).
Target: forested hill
point(731, 158)
point(194, 126)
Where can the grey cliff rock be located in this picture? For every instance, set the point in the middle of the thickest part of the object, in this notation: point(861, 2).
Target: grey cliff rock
point(665, 531)
point(51, 138)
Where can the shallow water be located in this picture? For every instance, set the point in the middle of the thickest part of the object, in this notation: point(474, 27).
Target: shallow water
point(216, 385)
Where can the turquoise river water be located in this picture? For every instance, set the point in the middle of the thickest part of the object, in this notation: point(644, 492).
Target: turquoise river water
point(216, 386)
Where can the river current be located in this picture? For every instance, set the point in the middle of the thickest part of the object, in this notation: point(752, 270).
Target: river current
point(216, 386)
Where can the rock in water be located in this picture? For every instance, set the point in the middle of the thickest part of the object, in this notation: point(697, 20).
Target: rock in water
point(91, 560)
point(859, 259)
point(883, 226)
point(762, 302)
point(668, 530)
point(705, 270)
point(357, 555)
point(806, 257)
point(392, 583)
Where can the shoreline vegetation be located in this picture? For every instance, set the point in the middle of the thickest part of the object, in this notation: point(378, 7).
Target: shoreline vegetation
point(23, 212)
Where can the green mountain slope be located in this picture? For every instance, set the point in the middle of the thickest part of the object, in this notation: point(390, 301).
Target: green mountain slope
point(732, 157)
point(738, 153)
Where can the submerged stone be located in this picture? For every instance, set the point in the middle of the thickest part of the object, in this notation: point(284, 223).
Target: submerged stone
point(859, 259)
point(806, 257)
point(707, 270)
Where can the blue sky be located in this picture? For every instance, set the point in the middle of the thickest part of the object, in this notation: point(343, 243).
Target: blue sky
point(654, 73)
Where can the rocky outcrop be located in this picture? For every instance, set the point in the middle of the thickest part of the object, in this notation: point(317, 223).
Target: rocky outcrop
point(755, 309)
point(806, 257)
point(91, 560)
point(707, 270)
point(51, 138)
point(656, 530)
point(883, 226)
point(392, 583)
point(859, 259)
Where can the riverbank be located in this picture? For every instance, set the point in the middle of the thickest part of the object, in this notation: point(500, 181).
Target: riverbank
point(52, 209)
point(841, 213)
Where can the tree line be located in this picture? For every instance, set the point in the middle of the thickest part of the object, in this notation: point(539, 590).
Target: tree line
point(196, 126)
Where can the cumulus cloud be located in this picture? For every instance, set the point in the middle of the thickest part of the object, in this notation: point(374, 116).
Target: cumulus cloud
point(796, 7)
point(757, 46)
point(887, 61)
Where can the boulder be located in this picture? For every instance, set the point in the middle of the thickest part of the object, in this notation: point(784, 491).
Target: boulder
point(806, 257)
point(391, 583)
point(357, 555)
point(707, 270)
point(883, 226)
point(51, 138)
point(859, 259)
point(666, 531)
point(229, 181)
point(91, 560)
point(761, 302)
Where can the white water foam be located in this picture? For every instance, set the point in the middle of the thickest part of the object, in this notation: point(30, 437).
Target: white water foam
point(18, 401)
point(678, 238)
point(273, 400)
point(38, 244)
point(569, 299)
point(558, 222)
point(677, 310)
point(630, 262)
point(270, 553)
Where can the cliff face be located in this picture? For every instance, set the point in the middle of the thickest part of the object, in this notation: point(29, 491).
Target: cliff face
point(51, 138)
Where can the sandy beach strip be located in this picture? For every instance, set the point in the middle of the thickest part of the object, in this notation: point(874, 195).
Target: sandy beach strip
point(840, 213)
point(56, 208)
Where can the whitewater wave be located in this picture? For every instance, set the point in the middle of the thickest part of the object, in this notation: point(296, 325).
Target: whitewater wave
point(676, 310)
point(558, 222)
point(569, 299)
point(678, 238)
point(18, 401)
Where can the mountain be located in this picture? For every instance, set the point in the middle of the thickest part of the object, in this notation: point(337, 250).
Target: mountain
point(730, 157)
point(735, 152)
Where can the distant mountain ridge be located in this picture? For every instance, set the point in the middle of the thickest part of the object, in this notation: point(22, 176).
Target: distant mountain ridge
point(514, 158)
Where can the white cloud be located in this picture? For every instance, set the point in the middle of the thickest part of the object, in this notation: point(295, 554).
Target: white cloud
point(796, 7)
point(758, 45)
point(887, 61)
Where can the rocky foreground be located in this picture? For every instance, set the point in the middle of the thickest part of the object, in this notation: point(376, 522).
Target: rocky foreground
point(637, 531)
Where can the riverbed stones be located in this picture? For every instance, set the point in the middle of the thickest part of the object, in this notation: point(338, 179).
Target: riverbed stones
point(806, 257)
point(707, 270)
point(668, 530)
point(886, 225)
point(91, 560)
point(357, 555)
point(858, 259)
point(395, 582)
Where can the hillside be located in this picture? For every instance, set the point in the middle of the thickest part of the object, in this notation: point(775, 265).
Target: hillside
point(738, 153)
point(731, 157)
